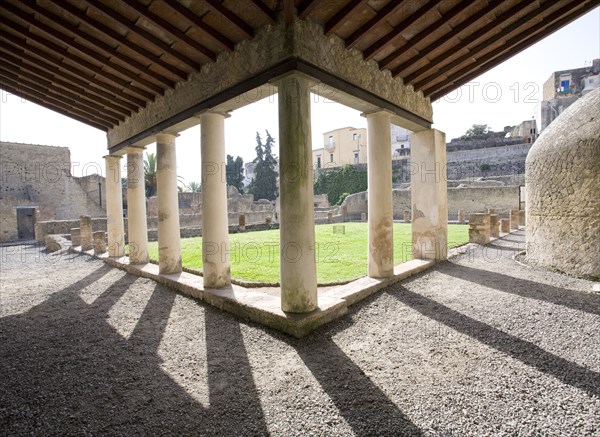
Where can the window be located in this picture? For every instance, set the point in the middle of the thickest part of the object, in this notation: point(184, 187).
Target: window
point(318, 162)
point(331, 140)
point(402, 146)
point(331, 157)
point(356, 158)
point(354, 137)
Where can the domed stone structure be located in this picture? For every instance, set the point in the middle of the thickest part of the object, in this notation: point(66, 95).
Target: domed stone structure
point(562, 176)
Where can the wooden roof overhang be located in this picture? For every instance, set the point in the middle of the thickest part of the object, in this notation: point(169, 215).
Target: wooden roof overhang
point(101, 61)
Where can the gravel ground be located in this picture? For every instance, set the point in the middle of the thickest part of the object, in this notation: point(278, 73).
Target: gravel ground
point(479, 345)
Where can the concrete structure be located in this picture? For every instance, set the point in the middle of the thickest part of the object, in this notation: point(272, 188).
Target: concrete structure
point(479, 228)
point(137, 228)
point(114, 207)
point(297, 229)
point(562, 184)
point(563, 88)
point(75, 237)
point(429, 196)
point(514, 219)
point(215, 243)
point(166, 77)
point(169, 244)
point(381, 214)
point(494, 225)
point(505, 226)
point(348, 145)
point(87, 240)
point(99, 239)
point(43, 178)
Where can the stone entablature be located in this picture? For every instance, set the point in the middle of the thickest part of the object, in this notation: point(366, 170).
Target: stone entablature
point(272, 46)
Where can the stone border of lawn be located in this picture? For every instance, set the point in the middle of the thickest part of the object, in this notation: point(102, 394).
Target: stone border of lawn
point(256, 305)
point(255, 284)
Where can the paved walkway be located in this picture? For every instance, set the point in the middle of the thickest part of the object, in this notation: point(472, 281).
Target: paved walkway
point(478, 345)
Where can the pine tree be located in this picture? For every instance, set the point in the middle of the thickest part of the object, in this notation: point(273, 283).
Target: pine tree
point(234, 172)
point(264, 186)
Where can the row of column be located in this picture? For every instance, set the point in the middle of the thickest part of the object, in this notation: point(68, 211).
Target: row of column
point(297, 233)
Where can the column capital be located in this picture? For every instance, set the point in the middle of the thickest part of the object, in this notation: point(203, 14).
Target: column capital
point(376, 112)
point(224, 114)
point(133, 149)
point(114, 157)
point(295, 74)
point(166, 133)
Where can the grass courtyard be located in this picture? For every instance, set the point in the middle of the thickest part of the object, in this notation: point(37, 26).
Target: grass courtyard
point(340, 257)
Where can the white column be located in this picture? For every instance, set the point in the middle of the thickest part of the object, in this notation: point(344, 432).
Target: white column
point(380, 204)
point(429, 195)
point(114, 207)
point(215, 222)
point(169, 244)
point(297, 220)
point(137, 228)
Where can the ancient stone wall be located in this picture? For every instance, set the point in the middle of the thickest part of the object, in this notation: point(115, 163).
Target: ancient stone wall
point(42, 176)
point(469, 199)
point(563, 188)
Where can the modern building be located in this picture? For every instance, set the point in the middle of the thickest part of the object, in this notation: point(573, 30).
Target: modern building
point(565, 87)
point(348, 145)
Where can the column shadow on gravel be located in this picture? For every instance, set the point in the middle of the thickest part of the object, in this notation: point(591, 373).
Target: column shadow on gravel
point(577, 300)
point(525, 351)
point(366, 408)
point(66, 370)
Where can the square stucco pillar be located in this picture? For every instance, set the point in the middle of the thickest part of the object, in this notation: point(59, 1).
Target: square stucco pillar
point(137, 227)
point(380, 205)
point(114, 207)
point(297, 228)
point(215, 222)
point(429, 195)
point(169, 243)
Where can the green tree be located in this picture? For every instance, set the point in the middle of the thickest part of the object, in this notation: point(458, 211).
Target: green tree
point(234, 171)
point(193, 187)
point(477, 131)
point(339, 182)
point(264, 185)
point(150, 174)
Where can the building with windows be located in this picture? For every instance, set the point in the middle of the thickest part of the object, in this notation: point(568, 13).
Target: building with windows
point(348, 145)
point(565, 87)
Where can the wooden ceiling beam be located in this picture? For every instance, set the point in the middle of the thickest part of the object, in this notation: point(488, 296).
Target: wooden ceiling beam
point(380, 16)
point(472, 53)
point(307, 7)
point(109, 51)
point(17, 66)
point(146, 36)
point(52, 65)
point(382, 42)
point(492, 25)
point(58, 101)
point(266, 10)
point(46, 91)
point(338, 19)
point(231, 17)
point(422, 53)
point(64, 53)
point(195, 20)
point(118, 38)
point(514, 45)
point(460, 7)
point(58, 109)
point(169, 28)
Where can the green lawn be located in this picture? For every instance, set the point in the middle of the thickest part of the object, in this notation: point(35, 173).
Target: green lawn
point(340, 257)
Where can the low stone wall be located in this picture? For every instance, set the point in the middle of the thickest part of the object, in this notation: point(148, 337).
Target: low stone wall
point(470, 200)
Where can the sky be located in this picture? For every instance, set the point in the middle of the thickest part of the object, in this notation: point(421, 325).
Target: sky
point(505, 95)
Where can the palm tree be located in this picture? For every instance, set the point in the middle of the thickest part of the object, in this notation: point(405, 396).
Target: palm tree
point(194, 187)
point(150, 174)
